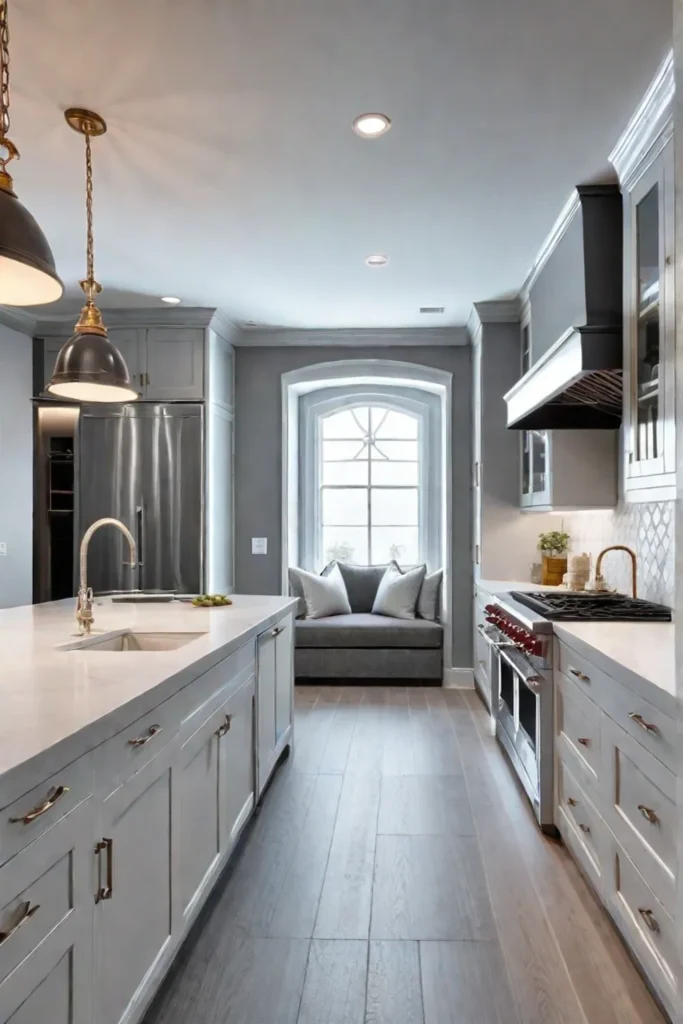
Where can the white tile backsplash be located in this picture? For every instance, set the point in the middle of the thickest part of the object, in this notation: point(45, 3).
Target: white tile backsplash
point(648, 528)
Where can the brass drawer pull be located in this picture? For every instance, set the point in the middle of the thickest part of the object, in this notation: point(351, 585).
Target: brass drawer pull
point(584, 741)
point(22, 914)
point(104, 892)
point(55, 794)
point(571, 801)
point(277, 630)
point(225, 727)
point(584, 828)
point(639, 720)
point(648, 813)
point(649, 919)
point(580, 675)
point(140, 741)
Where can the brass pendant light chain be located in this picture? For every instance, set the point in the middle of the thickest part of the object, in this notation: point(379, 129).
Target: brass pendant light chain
point(90, 251)
point(10, 150)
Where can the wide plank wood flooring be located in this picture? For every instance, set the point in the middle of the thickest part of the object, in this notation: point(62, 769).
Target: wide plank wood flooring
point(395, 875)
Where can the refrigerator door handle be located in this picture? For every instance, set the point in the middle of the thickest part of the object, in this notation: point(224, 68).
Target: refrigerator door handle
point(140, 515)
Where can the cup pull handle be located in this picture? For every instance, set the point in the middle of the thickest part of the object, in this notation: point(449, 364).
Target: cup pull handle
point(639, 720)
point(649, 919)
point(580, 675)
point(584, 741)
point(584, 828)
point(648, 813)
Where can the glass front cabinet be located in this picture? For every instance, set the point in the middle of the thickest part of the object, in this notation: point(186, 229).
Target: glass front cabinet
point(535, 469)
point(649, 327)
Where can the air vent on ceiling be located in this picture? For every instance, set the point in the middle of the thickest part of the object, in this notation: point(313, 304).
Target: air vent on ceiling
point(432, 309)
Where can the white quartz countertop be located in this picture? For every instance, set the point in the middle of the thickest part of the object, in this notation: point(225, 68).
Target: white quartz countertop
point(643, 649)
point(48, 696)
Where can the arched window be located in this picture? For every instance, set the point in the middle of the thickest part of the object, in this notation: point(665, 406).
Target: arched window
point(369, 480)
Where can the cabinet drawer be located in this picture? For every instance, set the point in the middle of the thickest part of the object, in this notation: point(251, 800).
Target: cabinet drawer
point(592, 681)
point(39, 886)
point(33, 813)
point(124, 754)
point(200, 696)
point(645, 924)
point(649, 726)
point(582, 828)
point(640, 807)
point(578, 727)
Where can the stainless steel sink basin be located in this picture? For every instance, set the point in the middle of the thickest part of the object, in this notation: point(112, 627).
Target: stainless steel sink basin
point(129, 641)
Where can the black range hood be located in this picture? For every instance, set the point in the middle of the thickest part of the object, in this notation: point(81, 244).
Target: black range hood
point(575, 299)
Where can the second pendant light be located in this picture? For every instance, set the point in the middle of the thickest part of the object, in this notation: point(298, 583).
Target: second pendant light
point(89, 368)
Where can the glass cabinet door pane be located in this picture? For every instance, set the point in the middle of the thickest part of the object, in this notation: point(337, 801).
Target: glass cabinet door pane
point(526, 463)
point(648, 439)
point(538, 462)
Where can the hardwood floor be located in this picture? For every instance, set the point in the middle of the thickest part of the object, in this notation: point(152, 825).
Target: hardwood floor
point(395, 875)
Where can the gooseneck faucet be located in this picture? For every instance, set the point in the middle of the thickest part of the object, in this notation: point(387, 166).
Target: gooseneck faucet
point(634, 565)
point(84, 602)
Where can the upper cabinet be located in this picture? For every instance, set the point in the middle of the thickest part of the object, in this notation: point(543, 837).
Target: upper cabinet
point(644, 161)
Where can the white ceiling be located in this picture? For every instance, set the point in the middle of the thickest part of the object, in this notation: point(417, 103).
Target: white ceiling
point(230, 175)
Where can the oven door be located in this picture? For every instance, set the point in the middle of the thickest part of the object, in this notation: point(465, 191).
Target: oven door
point(518, 716)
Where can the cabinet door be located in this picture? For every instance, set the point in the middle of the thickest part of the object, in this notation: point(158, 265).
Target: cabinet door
point(236, 772)
point(481, 648)
point(135, 923)
point(265, 705)
point(174, 364)
point(284, 677)
point(198, 775)
point(46, 962)
point(476, 468)
point(50, 353)
point(129, 342)
point(649, 357)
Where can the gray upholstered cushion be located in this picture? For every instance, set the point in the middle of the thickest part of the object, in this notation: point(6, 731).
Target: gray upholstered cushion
point(362, 582)
point(367, 630)
point(428, 603)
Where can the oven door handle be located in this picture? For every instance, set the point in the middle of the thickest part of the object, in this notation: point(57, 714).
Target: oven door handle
point(524, 670)
point(496, 644)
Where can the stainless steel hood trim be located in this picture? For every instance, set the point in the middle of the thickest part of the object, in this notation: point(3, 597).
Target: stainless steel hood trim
point(580, 352)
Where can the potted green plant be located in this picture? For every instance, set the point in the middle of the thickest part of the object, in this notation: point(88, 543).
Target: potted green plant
point(553, 546)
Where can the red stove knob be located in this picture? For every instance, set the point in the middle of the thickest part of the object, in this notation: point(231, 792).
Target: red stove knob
point(491, 608)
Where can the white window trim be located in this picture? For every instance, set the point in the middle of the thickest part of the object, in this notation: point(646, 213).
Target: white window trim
point(318, 404)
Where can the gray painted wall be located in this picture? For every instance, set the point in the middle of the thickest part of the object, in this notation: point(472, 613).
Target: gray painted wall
point(16, 468)
point(258, 464)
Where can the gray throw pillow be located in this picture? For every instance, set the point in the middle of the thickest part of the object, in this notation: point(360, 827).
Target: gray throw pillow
point(398, 592)
point(362, 582)
point(428, 603)
point(324, 595)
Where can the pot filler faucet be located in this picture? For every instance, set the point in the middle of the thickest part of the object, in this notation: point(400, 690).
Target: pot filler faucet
point(84, 602)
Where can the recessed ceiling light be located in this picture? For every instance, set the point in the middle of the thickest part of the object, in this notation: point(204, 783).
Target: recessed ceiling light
point(376, 259)
point(371, 126)
point(172, 300)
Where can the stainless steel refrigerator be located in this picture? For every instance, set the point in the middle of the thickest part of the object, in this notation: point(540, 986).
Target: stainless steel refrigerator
point(144, 464)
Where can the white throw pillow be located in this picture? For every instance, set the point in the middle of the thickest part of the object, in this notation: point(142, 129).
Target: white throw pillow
point(398, 592)
point(324, 595)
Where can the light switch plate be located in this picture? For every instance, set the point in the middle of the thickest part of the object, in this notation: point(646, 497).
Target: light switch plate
point(3, 547)
point(259, 545)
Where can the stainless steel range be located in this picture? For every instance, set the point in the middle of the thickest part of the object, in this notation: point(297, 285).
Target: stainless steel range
point(520, 631)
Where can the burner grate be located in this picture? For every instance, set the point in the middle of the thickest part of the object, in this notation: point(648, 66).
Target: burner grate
point(575, 607)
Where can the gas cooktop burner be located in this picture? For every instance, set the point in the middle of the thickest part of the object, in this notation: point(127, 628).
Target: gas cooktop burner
point(575, 607)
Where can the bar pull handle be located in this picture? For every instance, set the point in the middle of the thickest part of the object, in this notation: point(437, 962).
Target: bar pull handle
point(649, 814)
point(104, 892)
point(639, 720)
point(141, 741)
point(649, 919)
point(277, 630)
point(23, 913)
point(140, 516)
point(55, 794)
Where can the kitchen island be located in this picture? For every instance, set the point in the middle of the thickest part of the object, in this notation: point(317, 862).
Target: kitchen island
point(126, 778)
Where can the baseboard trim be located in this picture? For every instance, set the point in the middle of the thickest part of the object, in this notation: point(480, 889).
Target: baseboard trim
point(458, 679)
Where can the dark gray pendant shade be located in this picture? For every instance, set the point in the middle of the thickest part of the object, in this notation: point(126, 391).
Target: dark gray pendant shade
point(90, 369)
point(27, 268)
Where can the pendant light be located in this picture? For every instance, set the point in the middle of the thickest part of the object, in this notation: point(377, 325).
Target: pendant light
point(27, 267)
point(89, 368)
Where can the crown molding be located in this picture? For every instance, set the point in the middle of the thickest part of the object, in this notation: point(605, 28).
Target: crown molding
point(351, 338)
point(17, 319)
point(223, 326)
point(652, 119)
point(550, 243)
point(500, 311)
point(176, 316)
